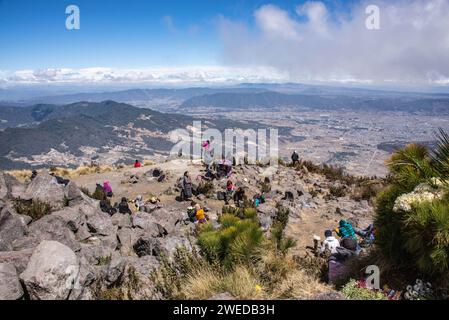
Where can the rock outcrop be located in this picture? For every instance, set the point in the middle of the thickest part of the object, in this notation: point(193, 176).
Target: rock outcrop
point(52, 272)
point(10, 287)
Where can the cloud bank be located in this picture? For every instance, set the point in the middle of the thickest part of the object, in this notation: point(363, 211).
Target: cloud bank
point(311, 43)
point(315, 44)
point(190, 75)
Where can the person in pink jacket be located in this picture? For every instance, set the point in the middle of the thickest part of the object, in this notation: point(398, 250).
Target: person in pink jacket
point(107, 188)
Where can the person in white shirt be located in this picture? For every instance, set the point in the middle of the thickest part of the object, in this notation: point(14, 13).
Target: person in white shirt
point(330, 243)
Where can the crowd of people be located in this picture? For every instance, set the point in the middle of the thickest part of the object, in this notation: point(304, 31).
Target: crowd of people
point(339, 245)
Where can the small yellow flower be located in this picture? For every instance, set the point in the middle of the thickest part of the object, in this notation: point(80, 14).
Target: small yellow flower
point(258, 287)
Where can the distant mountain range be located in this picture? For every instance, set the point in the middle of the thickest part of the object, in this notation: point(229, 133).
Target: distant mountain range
point(249, 95)
point(67, 135)
point(270, 100)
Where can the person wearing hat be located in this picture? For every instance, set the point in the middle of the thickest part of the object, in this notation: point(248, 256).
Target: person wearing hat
point(330, 243)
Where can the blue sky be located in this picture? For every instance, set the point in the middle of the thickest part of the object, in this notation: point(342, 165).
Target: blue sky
point(224, 41)
point(120, 34)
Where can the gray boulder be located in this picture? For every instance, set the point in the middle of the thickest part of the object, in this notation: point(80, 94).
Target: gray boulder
point(82, 281)
point(49, 227)
point(19, 259)
point(44, 187)
point(115, 270)
point(72, 217)
point(10, 287)
point(167, 246)
point(265, 214)
point(148, 223)
point(168, 219)
point(121, 220)
point(11, 229)
point(139, 270)
point(96, 255)
point(127, 238)
point(10, 187)
point(145, 246)
point(51, 272)
point(4, 192)
point(100, 223)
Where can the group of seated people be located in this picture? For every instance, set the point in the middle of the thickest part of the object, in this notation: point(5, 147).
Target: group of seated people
point(121, 207)
point(237, 194)
point(348, 238)
point(339, 251)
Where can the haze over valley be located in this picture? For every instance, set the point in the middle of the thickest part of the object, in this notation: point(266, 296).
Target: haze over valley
point(351, 127)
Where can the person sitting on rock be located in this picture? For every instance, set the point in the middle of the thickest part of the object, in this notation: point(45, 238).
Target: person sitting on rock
point(239, 196)
point(139, 203)
point(330, 243)
point(123, 207)
point(200, 215)
point(137, 164)
point(99, 193)
point(349, 243)
point(33, 175)
point(229, 193)
point(105, 206)
point(107, 189)
point(186, 192)
point(345, 230)
point(368, 235)
point(258, 199)
point(295, 158)
point(60, 180)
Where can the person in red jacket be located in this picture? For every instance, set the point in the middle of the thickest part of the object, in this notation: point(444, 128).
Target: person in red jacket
point(137, 164)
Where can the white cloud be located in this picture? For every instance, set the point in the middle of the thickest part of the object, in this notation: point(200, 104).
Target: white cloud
point(151, 76)
point(412, 45)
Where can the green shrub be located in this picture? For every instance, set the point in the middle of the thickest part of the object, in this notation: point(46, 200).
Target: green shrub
point(244, 212)
point(416, 242)
point(282, 243)
point(353, 292)
point(411, 166)
point(337, 191)
point(103, 261)
point(235, 241)
point(389, 227)
point(426, 230)
point(172, 273)
point(36, 209)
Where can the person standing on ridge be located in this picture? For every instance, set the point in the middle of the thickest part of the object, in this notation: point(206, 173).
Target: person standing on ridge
point(295, 158)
